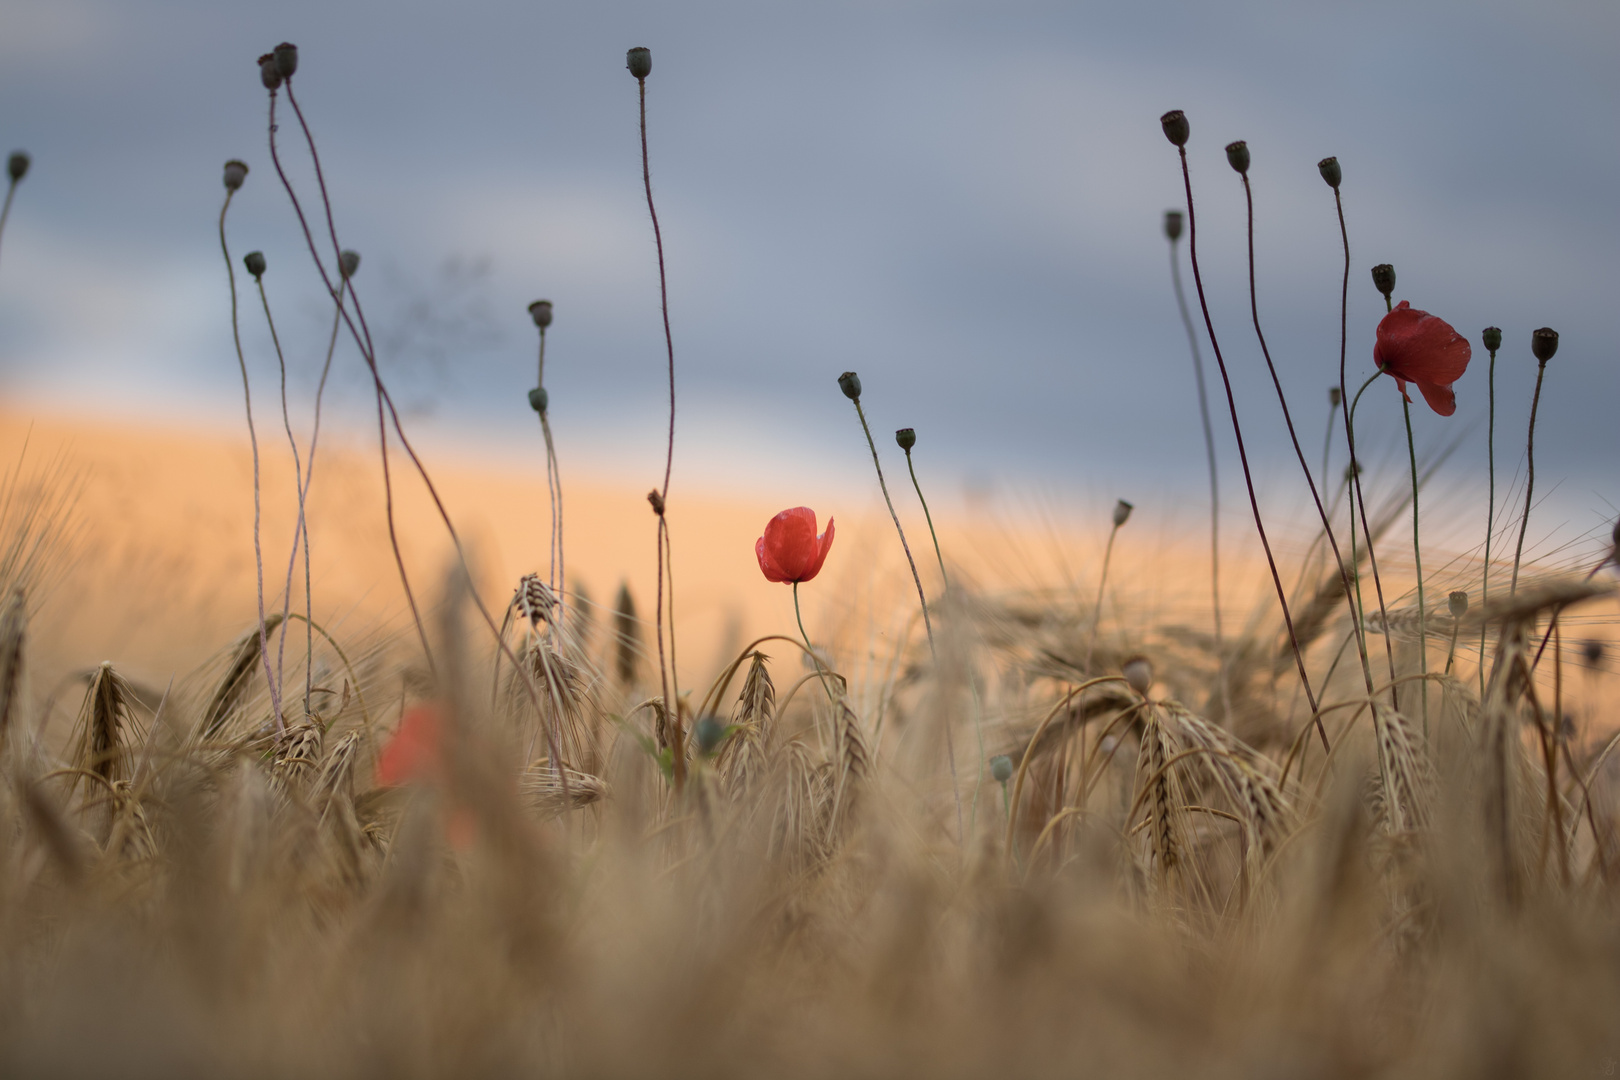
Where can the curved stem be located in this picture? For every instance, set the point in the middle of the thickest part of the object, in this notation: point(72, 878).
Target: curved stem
point(253, 440)
point(1282, 400)
point(1530, 481)
point(1243, 454)
point(1209, 455)
point(298, 528)
point(810, 649)
point(1490, 514)
point(944, 579)
point(1096, 613)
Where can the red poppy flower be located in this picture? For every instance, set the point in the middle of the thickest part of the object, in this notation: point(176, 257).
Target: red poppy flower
point(790, 550)
point(416, 752)
point(1414, 346)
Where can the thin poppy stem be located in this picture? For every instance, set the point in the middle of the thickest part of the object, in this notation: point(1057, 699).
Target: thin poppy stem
point(1282, 400)
point(253, 440)
point(298, 528)
point(1417, 559)
point(1530, 481)
point(1327, 447)
point(1096, 613)
point(553, 491)
point(1243, 454)
point(815, 657)
point(1490, 512)
point(1357, 501)
point(303, 495)
point(950, 743)
point(11, 191)
point(1209, 452)
point(944, 579)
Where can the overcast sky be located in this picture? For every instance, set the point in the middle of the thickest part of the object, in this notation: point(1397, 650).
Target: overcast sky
point(961, 201)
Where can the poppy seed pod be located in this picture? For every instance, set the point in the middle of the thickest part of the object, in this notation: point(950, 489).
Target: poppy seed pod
point(907, 438)
point(639, 61)
point(1122, 512)
point(1172, 224)
point(1335, 397)
point(850, 384)
point(1237, 155)
point(1001, 768)
point(17, 165)
point(268, 75)
point(254, 261)
point(1329, 168)
point(540, 312)
point(235, 173)
point(1176, 128)
point(1544, 343)
point(539, 399)
point(1458, 603)
point(1491, 338)
point(1138, 672)
point(1593, 651)
point(349, 263)
point(286, 57)
point(1383, 276)
point(709, 733)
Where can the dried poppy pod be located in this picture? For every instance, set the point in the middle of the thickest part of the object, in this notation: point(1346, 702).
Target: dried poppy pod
point(1383, 276)
point(906, 438)
point(850, 384)
point(639, 61)
point(1001, 768)
point(349, 263)
point(1491, 338)
point(539, 399)
point(235, 173)
point(268, 75)
point(1122, 512)
point(1176, 128)
point(1172, 224)
point(1593, 652)
point(1458, 603)
point(254, 261)
point(1335, 397)
point(17, 165)
point(1138, 672)
point(1544, 343)
point(286, 58)
point(1237, 156)
point(540, 312)
point(1329, 168)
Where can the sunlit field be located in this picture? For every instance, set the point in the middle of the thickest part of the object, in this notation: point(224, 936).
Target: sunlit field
point(324, 754)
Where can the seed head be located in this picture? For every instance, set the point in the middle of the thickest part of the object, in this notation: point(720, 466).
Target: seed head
point(235, 173)
point(17, 165)
point(286, 57)
point(254, 261)
point(539, 399)
point(1593, 651)
point(1122, 512)
point(850, 384)
point(1383, 276)
point(268, 75)
point(1335, 397)
point(1172, 224)
point(1138, 672)
point(1175, 127)
point(639, 61)
point(907, 438)
point(1001, 768)
point(348, 263)
point(1329, 168)
point(540, 312)
point(1458, 602)
point(1491, 338)
point(1543, 343)
point(656, 501)
point(1237, 155)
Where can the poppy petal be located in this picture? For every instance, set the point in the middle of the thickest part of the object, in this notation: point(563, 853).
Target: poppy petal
point(767, 565)
point(790, 541)
point(824, 546)
point(1440, 398)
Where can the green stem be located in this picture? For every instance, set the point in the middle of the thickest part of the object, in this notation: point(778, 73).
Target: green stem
point(1490, 515)
point(1417, 558)
point(930, 518)
point(815, 657)
point(1355, 559)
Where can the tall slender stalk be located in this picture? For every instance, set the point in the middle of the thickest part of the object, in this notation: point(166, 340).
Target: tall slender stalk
point(539, 398)
point(1282, 400)
point(639, 62)
point(253, 441)
point(1102, 585)
point(1417, 559)
point(1170, 121)
point(1543, 343)
point(1172, 230)
point(16, 169)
